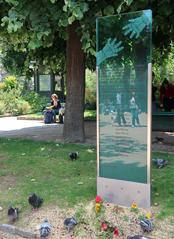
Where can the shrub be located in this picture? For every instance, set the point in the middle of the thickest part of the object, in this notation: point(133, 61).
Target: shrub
point(2, 86)
point(90, 91)
point(36, 101)
point(23, 107)
point(11, 99)
point(10, 82)
point(2, 108)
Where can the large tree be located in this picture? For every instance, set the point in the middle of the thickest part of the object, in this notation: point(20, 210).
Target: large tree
point(33, 26)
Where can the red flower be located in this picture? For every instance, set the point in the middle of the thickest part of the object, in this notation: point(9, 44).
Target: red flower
point(98, 199)
point(104, 226)
point(116, 232)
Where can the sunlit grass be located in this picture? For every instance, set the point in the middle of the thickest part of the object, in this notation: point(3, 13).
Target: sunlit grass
point(163, 185)
point(44, 168)
point(88, 115)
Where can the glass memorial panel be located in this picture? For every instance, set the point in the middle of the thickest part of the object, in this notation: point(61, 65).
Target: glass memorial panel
point(44, 82)
point(123, 55)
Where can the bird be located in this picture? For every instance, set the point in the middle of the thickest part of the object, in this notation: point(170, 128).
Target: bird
point(45, 229)
point(70, 223)
point(13, 214)
point(158, 140)
point(160, 163)
point(138, 237)
point(146, 225)
point(35, 201)
point(73, 155)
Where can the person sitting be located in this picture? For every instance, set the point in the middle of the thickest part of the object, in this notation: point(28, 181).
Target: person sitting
point(167, 95)
point(55, 106)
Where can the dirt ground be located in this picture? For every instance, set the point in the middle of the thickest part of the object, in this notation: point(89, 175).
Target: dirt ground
point(123, 218)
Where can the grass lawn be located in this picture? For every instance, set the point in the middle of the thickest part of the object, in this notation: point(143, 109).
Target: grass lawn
point(43, 167)
point(163, 185)
point(88, 115)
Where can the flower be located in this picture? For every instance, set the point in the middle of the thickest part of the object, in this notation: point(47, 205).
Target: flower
point(148, 215)
point(104, 226)
point(98, 199)
point(116, 232)
point(134, 205)
point(97, 207)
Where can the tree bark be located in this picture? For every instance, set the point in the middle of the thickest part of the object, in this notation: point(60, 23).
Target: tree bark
point(75, 88)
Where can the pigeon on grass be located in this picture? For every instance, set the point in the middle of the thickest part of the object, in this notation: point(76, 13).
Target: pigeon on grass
point(45, 229)
point(13, 214)
point(160, 163)
point(35, 201)
point(70, 223)
point(73, 155)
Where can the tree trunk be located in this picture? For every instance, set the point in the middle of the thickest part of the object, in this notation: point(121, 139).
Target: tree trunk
point(141, 70)
point(75, 88)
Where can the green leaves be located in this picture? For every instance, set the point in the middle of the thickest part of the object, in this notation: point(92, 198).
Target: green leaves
point(13, 21)
point(75, 10)
point(109, 10)
point(13, 2)
point(53, 1)
point(128, 2)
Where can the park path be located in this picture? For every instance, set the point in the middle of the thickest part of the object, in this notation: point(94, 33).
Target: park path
point(35, 129)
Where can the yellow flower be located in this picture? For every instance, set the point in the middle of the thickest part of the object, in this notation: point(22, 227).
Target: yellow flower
point(97, 207)
point(134, 205)
point(148, 215)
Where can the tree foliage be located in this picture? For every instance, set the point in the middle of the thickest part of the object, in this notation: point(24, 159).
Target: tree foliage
point(39, 28)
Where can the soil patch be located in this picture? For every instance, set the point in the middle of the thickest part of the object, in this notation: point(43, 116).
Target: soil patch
point(7, 182)
point(125, 220)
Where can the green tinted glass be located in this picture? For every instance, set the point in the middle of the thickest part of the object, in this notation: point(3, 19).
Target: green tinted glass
point(123, 54)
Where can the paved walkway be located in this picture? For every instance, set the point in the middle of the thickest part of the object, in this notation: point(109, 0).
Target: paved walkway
point(36, 129)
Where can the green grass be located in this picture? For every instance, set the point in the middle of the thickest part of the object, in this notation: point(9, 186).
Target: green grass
point(163, 185)
point(88, 115)
point(55, 177)
point(61, 181)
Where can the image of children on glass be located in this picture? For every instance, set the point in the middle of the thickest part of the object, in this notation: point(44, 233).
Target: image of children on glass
point(134, 109)
point(120, 106)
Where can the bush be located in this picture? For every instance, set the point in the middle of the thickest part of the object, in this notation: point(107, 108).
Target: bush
point(2, 86)
point(36, 101)
point(23, 107)
point(90, 91)
point(13, 102)
point(2, 108)
point(10, 82)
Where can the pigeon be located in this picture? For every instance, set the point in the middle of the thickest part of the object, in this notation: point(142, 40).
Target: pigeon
point(160, 163)
point(146, 225)
point(13, 214)
point(159, 139)
point(35, 201)
point(73, 155)
point(45, 229)
point(70, 223)
point(138, 237)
